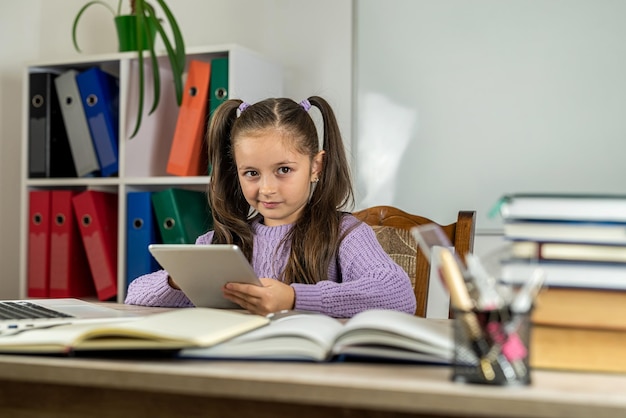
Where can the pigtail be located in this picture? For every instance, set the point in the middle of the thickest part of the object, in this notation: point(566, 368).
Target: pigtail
point(316, 236)
point(229, 207)
point(336, 167)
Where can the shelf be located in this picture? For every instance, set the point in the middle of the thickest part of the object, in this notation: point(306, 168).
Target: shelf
point(74, 182)
point(142, 159)
point(165, 181)
point(115, 181)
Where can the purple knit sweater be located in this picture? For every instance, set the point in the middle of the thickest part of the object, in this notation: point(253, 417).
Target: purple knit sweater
point(368, 277)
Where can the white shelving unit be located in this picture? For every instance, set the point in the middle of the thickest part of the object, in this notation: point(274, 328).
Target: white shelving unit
point(143, 159)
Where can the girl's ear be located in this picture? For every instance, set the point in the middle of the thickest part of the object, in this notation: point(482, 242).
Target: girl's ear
point(317, 166)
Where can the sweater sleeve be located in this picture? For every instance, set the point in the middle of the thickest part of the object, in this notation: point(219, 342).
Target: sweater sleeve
point(368, 279)
point(153, 289)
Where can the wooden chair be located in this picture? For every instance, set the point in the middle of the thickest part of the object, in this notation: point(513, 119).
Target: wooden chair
point(393, 226)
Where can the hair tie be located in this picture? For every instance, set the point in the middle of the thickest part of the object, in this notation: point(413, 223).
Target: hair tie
point(306, 105)
point(243, 106)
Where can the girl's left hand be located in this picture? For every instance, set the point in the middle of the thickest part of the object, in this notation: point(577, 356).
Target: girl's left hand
point(274, 296)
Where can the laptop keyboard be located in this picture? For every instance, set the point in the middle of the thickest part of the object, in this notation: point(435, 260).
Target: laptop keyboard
point(27, 310)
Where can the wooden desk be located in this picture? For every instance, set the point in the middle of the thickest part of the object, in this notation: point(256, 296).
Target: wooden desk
point(87, 387)
point(80, 387)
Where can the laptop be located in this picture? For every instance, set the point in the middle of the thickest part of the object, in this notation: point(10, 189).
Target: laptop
point(24, 314)
point(202, 270)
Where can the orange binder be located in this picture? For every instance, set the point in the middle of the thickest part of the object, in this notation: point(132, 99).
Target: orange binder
point(188, 152)
point(69, 271)
point(96, 212)
point(39, 243)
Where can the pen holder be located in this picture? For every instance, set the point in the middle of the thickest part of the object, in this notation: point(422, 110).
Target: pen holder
point(491, 347)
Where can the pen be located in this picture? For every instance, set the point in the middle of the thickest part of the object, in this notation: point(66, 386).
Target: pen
point(512, 346)
point(527, 294)
point(508, 349)
point(487, 295)
point(459, 295)
point(514, 349)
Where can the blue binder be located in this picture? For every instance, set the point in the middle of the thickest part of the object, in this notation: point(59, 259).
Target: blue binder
point(141, 230)
point(99, 92)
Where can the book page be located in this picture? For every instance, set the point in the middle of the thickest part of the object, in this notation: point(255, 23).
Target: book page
point(295, 337)
point(184, 327)
point(191, 326)
point(392, 329)
point(314, 337)
point(55, 339)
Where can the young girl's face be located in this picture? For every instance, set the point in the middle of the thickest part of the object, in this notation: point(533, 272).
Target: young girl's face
point(274, 177)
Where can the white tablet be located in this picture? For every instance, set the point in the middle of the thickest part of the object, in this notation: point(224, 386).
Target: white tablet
point(202, 270)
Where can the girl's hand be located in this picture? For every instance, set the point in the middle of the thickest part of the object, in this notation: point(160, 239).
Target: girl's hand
point(272, 297)
point(172, 283)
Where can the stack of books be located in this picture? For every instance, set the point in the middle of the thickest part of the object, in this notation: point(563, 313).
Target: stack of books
point(579, 329)
point(579, 242)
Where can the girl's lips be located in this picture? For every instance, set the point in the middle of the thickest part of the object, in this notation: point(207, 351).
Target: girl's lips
point(269, 205)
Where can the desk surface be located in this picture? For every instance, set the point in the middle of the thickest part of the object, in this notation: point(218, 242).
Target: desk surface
point(272, 388)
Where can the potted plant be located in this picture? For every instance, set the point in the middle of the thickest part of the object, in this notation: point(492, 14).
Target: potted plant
point(145, 25)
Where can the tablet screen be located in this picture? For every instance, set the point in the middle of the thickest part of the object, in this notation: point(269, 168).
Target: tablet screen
point(202, 270)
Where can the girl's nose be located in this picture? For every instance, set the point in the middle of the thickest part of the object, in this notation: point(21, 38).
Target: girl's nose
point(267, 186)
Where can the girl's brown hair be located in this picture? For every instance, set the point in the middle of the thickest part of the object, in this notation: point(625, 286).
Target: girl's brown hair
point(316, 235)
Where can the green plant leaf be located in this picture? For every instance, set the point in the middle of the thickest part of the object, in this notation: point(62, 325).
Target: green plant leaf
point(177, 70)
point(140, 69)
point(149, 21)
point(146, 20)
point(80, 13)
point(178, 36)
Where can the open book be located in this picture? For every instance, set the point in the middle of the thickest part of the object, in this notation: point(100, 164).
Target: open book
point(175, 329)
point(373, 334)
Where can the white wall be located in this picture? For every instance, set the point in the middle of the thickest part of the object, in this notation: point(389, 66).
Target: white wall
point(18, 43)
point(313, 40)
point(461, 101)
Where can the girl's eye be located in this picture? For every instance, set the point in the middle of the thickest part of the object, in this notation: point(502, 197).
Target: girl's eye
point(250, 173)
point(284, 170)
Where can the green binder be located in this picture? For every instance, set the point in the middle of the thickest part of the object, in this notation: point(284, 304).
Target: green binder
point(218, 88)
point(182, 215)
point(218, 85)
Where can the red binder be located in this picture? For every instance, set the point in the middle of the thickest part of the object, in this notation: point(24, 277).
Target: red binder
point(188, 155)
point(96, 212)
point(69, 271)
point(39, 243)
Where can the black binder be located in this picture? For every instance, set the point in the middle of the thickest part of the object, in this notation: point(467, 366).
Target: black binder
point(49, 153)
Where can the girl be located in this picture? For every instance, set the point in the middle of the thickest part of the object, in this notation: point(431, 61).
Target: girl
point(278, 196)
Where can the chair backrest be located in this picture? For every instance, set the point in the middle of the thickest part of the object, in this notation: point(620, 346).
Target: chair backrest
point(393, 230)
